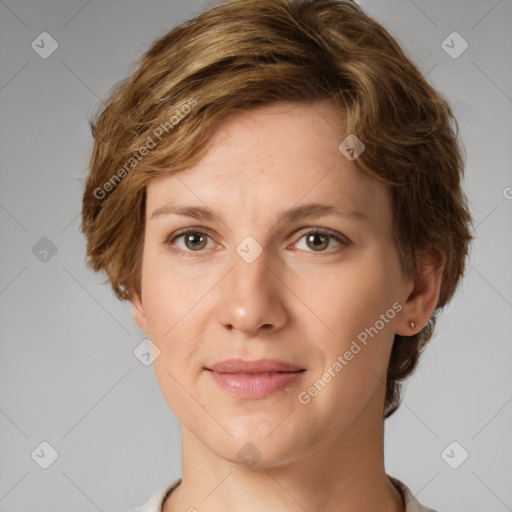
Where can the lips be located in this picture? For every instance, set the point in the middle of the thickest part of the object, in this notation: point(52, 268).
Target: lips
point(255, 379)
point(256, 366)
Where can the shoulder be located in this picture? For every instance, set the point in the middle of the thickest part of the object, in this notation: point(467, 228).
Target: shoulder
point(154, 504)
point(411, 503)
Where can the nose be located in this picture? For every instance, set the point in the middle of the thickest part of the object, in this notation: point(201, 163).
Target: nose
point(251, 298)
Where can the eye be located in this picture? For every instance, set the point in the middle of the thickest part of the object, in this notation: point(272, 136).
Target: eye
point(193, 240)
point(319, 240)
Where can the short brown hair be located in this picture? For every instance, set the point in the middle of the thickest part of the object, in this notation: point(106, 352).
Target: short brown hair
point(244, 53)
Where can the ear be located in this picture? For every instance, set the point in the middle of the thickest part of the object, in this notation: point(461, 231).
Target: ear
point(423, 298)
point(138, 313)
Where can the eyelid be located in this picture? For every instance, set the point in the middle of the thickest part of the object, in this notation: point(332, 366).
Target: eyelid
point(340, 237)
point(191, 229)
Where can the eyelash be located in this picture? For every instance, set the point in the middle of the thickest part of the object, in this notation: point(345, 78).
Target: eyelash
point(341, 239)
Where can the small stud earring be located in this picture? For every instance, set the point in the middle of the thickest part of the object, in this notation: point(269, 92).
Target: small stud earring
point(412, 324)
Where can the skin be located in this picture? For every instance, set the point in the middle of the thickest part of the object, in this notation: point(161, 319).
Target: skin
point(298, 301)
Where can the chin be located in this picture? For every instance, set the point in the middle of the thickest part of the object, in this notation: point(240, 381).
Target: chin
point(259, 449)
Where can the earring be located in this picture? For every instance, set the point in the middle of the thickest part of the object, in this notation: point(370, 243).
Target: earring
point(412, 324)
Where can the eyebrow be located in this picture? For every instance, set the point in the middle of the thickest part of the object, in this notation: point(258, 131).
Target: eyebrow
point(310, 210)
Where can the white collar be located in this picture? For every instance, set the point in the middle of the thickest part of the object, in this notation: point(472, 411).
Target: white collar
point(154, 504)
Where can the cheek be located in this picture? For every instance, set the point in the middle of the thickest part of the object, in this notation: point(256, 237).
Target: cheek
point(354, 297)
point(165, 296)
point(169, 311)
point(358, 308)
point(357, 305)
point(167, 314)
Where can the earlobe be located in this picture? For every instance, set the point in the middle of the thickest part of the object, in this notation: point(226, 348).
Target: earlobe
point(138, 314)
point(423, 299)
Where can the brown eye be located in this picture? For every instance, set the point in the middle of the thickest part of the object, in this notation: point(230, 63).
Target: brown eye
point(317, 241)
point(195, 240)
point(320, 241)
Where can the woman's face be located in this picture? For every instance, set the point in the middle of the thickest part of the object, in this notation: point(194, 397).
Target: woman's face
point(251, 281)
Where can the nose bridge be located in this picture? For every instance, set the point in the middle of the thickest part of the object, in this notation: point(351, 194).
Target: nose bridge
point(251, 276)
point(250, 295)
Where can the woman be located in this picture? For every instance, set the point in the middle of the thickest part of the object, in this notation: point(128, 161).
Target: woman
point(277, 190)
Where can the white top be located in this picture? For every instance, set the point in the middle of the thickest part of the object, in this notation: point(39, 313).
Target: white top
point(157, 500)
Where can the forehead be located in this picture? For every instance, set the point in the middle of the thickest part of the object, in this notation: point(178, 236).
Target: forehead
point(276, 155)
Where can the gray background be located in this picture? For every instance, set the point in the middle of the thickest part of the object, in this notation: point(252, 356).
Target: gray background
point(68, 372)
